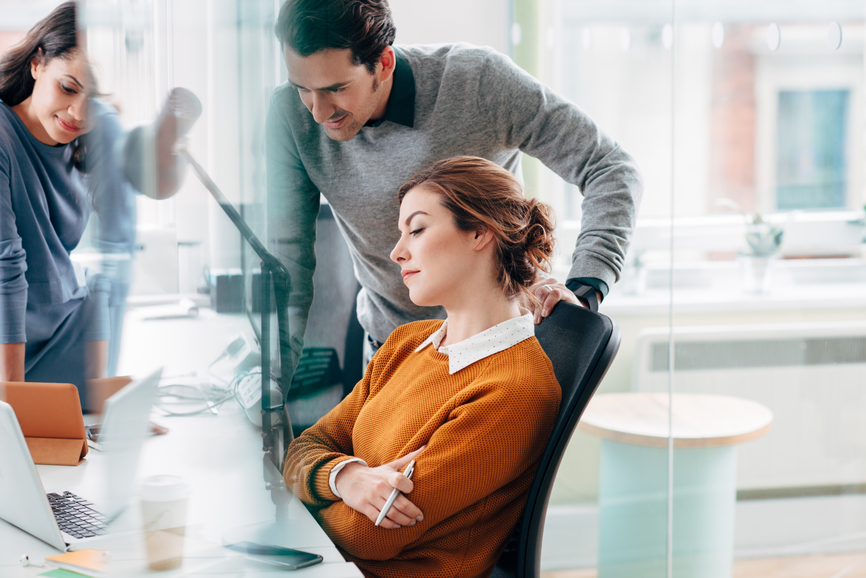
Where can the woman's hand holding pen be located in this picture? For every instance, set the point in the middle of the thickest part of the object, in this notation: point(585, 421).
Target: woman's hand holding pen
point(366, 490)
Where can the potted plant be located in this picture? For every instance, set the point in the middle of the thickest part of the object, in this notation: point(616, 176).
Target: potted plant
point(761, 242)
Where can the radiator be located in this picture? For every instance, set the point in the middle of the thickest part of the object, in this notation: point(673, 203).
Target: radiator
point(812, 376)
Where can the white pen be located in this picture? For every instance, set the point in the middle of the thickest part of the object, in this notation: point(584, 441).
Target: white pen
point(394, 493)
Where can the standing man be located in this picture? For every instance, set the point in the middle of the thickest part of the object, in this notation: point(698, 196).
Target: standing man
point(358, 117)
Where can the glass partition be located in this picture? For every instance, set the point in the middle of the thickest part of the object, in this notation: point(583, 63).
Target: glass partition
point(615, 61)
point(224, 53)
point(748, 258)
point(784, 142)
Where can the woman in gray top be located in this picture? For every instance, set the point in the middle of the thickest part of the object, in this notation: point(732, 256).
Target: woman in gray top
point(53, 315)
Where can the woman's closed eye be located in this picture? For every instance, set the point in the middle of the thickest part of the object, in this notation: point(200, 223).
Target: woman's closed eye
point(68, 90)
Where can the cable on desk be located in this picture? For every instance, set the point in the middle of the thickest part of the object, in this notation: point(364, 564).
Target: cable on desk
point(186, 393)
point(212, 394)
point(183, 394)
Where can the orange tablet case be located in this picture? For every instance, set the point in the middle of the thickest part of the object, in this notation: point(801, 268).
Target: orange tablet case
point(50, 418)
point(100, 389)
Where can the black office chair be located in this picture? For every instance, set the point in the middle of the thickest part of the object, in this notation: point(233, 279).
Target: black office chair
point(581, 345)
point(333, 319)
point(333, 334)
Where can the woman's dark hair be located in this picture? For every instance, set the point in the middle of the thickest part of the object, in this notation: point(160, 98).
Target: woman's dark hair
point(55, 36)
point(483, 196)
point(310, 26)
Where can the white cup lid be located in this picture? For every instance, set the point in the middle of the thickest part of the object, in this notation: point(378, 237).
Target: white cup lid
point(163, 488)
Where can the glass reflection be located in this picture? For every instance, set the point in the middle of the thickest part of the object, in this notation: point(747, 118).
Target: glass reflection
point(767, 122)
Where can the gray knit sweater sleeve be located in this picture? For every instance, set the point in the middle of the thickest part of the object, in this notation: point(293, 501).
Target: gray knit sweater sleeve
point(292, 207)
point(541, 123)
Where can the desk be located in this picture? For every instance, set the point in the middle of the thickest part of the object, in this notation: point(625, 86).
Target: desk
point(633, 481)
point(218, 455)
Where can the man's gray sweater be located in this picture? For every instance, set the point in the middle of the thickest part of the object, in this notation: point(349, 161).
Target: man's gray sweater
point(468, 101)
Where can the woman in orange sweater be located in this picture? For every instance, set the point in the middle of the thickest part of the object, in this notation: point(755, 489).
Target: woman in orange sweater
point(472, 399)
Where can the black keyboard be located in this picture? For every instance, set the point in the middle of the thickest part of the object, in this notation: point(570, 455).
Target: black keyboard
point(75, 516)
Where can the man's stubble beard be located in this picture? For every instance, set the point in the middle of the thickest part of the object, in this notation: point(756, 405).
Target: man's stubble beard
point(356, 126)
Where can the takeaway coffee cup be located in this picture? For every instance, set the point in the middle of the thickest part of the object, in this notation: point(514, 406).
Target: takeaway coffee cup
point(163, 510)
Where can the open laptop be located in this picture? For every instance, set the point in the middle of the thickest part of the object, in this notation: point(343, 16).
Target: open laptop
point(64, 520)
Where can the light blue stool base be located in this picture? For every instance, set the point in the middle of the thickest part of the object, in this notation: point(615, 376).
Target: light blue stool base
point(633, 511)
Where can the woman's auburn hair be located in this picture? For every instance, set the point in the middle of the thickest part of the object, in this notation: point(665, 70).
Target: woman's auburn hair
point(481, 195)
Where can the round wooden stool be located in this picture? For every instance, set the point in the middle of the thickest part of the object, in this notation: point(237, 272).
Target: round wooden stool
point(633, 480)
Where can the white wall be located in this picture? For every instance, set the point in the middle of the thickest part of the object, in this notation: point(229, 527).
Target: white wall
point(481, 22)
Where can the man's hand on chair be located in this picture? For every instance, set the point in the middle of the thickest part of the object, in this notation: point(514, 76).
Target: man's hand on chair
point(549, 292)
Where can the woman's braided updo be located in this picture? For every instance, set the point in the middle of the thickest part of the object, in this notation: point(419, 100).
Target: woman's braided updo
point(482, 195)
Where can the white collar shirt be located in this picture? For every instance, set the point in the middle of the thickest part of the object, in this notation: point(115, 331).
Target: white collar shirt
point(497, 338)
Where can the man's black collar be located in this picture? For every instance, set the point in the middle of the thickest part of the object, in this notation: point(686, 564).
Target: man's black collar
point(401, 101)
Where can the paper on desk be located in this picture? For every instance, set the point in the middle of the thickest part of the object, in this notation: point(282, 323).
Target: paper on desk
point(60, 573)
point(89, 562)
point(185, 308)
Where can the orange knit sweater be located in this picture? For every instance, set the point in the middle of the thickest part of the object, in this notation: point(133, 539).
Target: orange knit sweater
point(485, 428)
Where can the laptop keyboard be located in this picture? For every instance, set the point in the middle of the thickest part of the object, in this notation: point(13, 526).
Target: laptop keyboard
point(75, 515)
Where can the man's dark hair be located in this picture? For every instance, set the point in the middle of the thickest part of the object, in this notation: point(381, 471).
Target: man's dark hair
point(310, 26)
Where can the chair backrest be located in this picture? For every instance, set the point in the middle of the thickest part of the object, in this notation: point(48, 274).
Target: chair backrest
point(333, 320)
point(581, 345)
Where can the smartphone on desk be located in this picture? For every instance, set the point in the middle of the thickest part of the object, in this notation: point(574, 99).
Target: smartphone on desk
point(286, 558)
point(92, 432)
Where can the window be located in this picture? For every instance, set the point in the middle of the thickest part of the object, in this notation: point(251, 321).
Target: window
point(811, 157)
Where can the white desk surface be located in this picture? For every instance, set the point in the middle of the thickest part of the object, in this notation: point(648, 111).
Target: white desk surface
point(218, 455)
